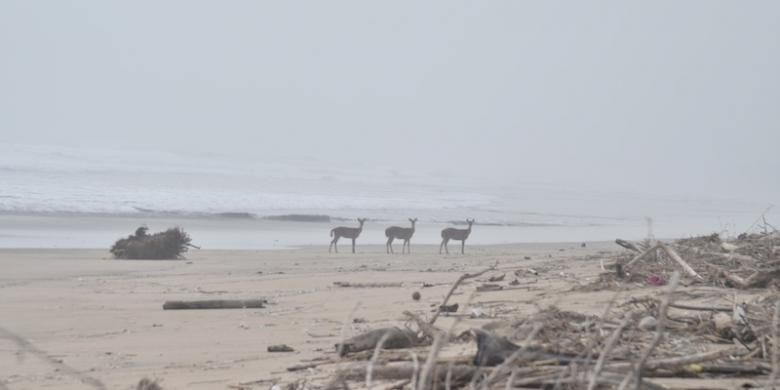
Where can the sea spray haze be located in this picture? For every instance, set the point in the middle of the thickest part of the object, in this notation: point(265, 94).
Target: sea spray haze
point(144, 186)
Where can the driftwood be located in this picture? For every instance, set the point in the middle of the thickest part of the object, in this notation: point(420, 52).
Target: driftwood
point(455, 286)
point(640, 256)
point(461, 373)
point(676, 257)
point(368, 285)
point(395, 338)
point(215, 304)
point(489, 287)
point(148, 384)
point(449, 308)
point(628, 245)
point(280, 348)
point(496, 278)
point(427, 329)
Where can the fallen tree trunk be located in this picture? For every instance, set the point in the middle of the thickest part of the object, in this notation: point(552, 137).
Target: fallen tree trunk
point(676, 257)
point(628, 245)
point(215, 304)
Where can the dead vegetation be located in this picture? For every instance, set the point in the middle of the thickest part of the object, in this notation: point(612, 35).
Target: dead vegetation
point(746, 262)
point(654, 341)
point(168, 245)
point(637, 343)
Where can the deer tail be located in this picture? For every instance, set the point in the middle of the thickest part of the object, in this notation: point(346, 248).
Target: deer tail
point(331, 232)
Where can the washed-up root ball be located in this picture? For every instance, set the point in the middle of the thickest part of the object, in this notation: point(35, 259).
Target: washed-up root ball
point(167, 245)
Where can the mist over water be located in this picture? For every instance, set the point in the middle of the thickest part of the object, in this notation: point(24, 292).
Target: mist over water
point(235, 196)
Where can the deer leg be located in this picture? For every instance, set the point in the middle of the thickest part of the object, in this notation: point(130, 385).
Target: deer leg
point(389, 246)
point(444, 244)
point(463, 247)
point(408, 248)
point(353, 245)
point(441, 246)
point(333, 244)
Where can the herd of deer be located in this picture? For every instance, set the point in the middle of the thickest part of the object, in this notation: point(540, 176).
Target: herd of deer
point(397, 232)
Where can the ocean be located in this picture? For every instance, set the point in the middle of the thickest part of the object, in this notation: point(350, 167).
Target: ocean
point(67, 197)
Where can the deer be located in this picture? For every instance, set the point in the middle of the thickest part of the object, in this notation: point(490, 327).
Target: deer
point(400, 233)
point(457, 235)
point(347, 232)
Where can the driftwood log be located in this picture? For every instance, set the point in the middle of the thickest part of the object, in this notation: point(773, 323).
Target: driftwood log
point(215, 304)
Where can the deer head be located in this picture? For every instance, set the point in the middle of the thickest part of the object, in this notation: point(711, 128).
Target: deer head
point(362, 220)
point(470, 222)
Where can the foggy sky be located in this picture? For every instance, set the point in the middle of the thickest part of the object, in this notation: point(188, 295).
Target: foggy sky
point(619, 95)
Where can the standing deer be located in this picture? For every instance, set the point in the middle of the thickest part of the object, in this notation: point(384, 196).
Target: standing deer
point(400, 233)
point(455, 234)
point(347, 232)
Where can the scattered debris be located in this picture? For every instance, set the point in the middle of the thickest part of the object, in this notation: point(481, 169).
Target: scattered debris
point(496, 278)
point(448, 308)
point(416, 295)
point(148, 384)
point(215, 304)
point(280, 348)
point(367, 285)
point(489, 287)
point(394, 338)
point(750, 261)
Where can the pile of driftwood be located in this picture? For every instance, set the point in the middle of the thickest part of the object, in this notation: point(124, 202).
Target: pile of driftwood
point(648, 343)
point(167, 245)
point(749, 261)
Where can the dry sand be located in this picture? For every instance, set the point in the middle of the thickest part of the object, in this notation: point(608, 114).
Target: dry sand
point(88, 318)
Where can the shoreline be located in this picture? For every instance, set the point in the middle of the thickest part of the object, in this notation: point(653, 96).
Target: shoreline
point(25, 231)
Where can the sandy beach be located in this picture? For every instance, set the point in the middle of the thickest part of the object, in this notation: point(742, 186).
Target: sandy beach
point(85, 319)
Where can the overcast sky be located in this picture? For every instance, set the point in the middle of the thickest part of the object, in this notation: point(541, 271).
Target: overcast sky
point(619, 95)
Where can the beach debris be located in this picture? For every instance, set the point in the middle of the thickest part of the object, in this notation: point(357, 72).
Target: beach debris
point(368, 285)
point(492, 350)
point(215, 304)
point(655, 280)
point(489, 287)
point(647, 323)
point(528, 270)
point(747, 262)
point(395, 338)
point(166, 245)
point(301, 367)
point(496, 278)
point(455, 285)
point(448, 308)
point(280, 348)
point(416, 296)
point(148, 384)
